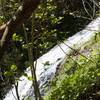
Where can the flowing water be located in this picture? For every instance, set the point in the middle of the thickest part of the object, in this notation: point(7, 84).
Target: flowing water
point(53, 58)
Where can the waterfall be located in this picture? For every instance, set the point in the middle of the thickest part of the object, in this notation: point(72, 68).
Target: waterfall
point(54, 57)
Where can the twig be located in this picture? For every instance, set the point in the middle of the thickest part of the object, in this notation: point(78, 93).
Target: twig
point(13, 95)
point(77, 52)
point(86, 9)
point(67, 54)
point(3, 39)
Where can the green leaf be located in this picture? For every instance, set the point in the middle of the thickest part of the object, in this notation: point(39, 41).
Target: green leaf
point(98, 74)
point(30, 78)
point(16, 37)
point(47, 63)
point(13, 67)
point(9, 73)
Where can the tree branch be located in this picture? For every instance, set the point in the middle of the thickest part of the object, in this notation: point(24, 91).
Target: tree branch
point(22, 14)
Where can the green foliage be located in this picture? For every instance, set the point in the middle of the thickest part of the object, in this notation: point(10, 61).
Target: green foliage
point(30, 78)
point(76, 76)
point(16, 37)
point(1, 19)
point(27, 76)
point(8, 8)
point(11, 72)
point(13, 67)
point(54, 20)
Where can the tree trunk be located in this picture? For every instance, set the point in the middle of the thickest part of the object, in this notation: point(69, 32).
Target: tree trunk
point(22, 14)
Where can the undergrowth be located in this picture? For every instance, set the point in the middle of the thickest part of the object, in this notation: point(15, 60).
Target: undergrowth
point(77, 75)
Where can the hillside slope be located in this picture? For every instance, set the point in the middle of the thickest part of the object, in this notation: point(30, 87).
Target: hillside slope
point(79, 77)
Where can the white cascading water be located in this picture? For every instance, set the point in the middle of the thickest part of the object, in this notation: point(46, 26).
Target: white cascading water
point(55, 56)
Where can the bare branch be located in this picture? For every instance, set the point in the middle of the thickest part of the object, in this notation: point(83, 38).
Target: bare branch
point(22, 14)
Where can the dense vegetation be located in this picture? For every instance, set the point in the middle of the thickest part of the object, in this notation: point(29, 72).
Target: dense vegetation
point(52, 21)
point(79, 77)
